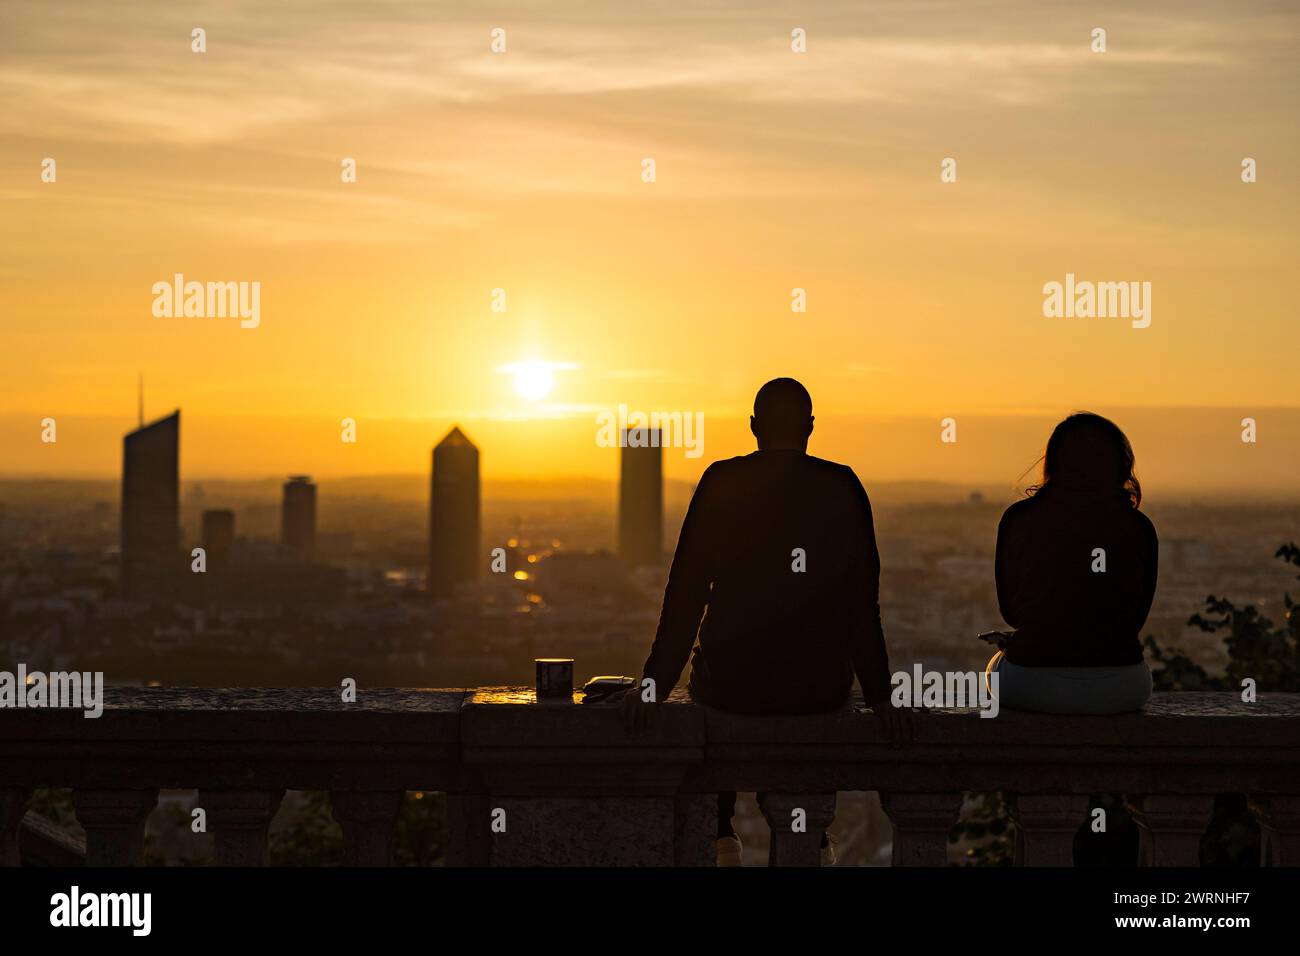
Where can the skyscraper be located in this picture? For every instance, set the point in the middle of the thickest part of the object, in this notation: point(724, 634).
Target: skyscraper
point(453, 514)
point(298, 517)
point(151, 507)
point(218, 534)
point(640, 498)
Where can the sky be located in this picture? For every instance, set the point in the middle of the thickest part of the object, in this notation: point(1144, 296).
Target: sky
point(523, 171)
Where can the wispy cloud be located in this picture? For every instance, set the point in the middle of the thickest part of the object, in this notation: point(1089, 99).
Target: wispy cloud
point(125, 71)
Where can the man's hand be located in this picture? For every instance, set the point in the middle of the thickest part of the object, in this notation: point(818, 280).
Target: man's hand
point(638, 715)
point(895, 723)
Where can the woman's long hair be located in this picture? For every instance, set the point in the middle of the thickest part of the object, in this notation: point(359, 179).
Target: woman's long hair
point(1087, 450)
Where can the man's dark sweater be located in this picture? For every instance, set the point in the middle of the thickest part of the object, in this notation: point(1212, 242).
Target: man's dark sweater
point(774, 639)
point(1065, 613)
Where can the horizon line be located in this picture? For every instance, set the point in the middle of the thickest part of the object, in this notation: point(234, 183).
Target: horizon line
point(1275, 491)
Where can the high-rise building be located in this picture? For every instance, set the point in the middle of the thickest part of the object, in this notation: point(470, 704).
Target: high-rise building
point(640, 498)
point(218, 534)
point(298, 517)
point(453, 514)
point(151, 507)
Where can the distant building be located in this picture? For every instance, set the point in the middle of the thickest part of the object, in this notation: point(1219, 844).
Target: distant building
point(218, 534)
point(453, 514)
point(641, 499)
point(298, 517)
point(151, 507)
point(193, 504)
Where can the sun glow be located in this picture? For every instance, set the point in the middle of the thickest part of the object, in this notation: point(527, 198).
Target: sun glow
point(534, 379)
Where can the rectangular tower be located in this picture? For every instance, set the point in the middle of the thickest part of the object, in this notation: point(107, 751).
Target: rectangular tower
point(640, 498)
point(453, 515)
point(218, 534)
point(298, 517)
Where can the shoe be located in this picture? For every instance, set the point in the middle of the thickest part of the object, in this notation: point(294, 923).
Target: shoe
point(828, 850)
point(729, 851)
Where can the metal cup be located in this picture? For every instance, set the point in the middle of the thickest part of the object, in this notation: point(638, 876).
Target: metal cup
point(554, 677)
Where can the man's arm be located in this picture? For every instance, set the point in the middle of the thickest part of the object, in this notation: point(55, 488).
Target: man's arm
point(689, 581)
point(867, 640)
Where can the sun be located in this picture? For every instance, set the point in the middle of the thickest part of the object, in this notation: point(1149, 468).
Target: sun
point(534, 380)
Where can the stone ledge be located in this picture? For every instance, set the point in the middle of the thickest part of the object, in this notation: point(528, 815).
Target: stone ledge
point(511, 717)
point(380, 700)
point(432, 738)
point(251, 715)
point(1188, 719)
point(245, 738)
point(578, 790)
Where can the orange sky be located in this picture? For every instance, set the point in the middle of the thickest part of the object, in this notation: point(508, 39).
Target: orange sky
point(522, 171)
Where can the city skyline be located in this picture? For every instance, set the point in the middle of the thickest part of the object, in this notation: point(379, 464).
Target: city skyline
point(378, 297)
point(1179, 451)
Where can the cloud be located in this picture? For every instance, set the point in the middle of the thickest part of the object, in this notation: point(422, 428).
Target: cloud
point(125, 72)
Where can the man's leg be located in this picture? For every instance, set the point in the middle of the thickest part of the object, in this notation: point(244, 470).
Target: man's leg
point(726, 810)
point(730, 852)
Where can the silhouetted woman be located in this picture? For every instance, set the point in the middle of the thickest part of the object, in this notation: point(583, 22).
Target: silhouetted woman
point(1076, 573)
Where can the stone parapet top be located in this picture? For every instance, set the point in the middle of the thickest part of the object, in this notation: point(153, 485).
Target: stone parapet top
point(512, 717)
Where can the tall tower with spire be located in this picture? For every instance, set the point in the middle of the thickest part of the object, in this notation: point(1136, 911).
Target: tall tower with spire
point(454, 516)
point(151, 510)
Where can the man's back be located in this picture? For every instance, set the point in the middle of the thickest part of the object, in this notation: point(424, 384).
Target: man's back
point(780, 546)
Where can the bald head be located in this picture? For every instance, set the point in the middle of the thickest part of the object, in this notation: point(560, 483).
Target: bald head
point(782, 416)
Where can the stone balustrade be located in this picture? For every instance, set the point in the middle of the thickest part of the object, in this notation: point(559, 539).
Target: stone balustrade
point(552, 783)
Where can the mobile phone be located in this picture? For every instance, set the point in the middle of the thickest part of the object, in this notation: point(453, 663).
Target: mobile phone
point(602, 688)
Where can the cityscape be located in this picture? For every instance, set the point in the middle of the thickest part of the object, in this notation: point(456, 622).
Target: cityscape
point(302, 587)
point(400, 396)
point(448, 581)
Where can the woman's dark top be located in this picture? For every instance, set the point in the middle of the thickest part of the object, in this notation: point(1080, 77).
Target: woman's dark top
point(1065, 613)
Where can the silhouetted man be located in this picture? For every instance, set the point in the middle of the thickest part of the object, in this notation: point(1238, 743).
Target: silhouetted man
point(778, 556)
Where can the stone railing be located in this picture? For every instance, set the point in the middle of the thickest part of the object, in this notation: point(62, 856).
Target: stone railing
point(572, 788)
